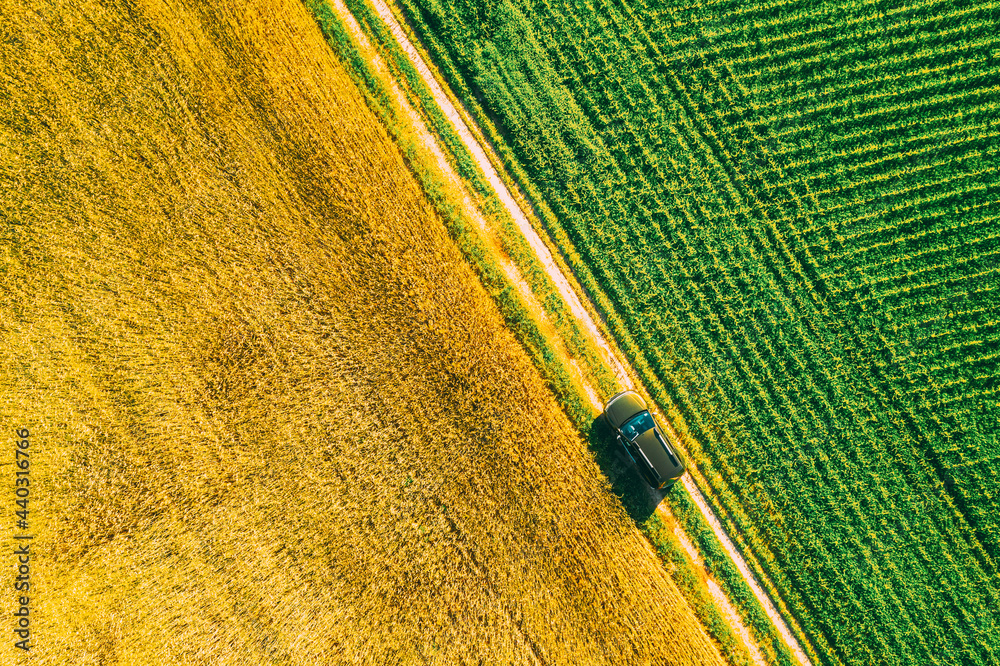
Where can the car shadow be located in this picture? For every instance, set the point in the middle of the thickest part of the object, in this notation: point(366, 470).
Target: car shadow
point(635, 494)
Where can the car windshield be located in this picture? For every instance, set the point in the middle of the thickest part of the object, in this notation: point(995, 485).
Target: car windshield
point(637, 425)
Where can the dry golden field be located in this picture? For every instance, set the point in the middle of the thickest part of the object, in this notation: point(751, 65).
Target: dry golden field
point(274, 417)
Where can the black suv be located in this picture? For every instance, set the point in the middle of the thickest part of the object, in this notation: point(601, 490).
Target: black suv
point(641, 438)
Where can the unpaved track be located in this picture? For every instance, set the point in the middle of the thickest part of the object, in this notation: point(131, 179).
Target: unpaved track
point(619, 366)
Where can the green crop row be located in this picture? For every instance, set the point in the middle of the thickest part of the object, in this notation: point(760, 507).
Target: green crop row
point(787, 214)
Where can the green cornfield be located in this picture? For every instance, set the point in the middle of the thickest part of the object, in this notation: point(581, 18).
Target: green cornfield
point(787, 213)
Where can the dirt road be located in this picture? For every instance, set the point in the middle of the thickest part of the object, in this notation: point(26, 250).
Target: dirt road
point(621, 368)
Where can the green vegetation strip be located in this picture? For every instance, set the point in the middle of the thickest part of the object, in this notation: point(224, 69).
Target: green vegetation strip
point(788, 214)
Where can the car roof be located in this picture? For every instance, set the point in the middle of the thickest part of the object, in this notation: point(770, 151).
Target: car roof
point(659, 453)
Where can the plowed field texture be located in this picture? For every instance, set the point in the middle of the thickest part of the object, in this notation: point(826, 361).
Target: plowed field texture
point(788, 213)
point(274, 417)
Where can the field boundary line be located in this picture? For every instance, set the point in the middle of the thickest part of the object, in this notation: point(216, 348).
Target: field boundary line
point(621, 368)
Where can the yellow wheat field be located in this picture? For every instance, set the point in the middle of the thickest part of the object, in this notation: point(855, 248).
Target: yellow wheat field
point(274, 417)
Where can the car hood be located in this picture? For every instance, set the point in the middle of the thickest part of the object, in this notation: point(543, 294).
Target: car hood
point(655, 450)
point(624, 408)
